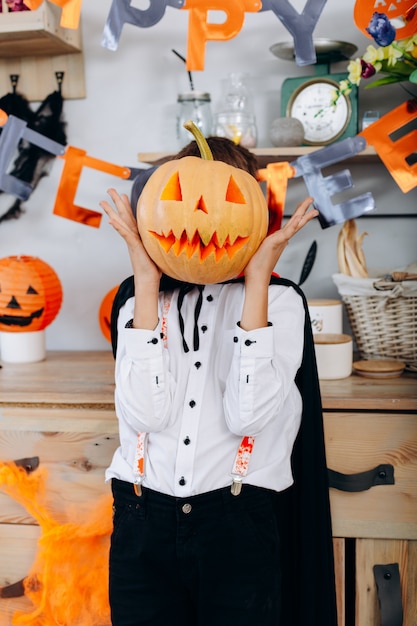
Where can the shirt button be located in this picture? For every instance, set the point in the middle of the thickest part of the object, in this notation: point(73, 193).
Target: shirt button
point(197, 365)
point(204, 328)
point(235, 339)
point(182, 481)
point(210, 298)
point(186, 508)
point(187, 441)
point(248, 342)
point(192, 403)
point(154, 341)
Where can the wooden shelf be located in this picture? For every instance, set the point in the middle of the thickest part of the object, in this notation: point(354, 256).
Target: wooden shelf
point(268, 155)
point(36, 33)
point(33, 46)
point(271, 155)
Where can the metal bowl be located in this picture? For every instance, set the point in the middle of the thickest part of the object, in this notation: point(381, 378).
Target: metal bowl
point(327, 50)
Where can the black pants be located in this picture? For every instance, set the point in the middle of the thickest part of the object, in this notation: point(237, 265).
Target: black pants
point(207, 560)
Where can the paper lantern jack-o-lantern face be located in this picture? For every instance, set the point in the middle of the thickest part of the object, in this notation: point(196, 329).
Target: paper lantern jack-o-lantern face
point(30, 294)
point(201, 220)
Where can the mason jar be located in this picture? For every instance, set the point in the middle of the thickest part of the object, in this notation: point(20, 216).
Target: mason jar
point(235, 118)
point(194, 105)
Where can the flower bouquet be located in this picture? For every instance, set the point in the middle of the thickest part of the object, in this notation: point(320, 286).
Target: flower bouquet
point(396, 60)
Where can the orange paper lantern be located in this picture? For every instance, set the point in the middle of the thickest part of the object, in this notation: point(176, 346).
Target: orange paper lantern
point(3, 117)
point(104, 314)
point(30, 294)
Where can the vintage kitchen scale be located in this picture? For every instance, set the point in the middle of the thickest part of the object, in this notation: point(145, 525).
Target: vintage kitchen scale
point(308, 98)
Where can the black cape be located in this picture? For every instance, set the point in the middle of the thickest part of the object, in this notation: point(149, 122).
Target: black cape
point(303, 510)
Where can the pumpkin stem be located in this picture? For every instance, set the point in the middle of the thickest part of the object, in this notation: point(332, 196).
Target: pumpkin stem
point(202, 144)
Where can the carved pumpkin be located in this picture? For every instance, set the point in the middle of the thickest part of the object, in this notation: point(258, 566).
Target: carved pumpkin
point(201, 220)
point(30, 294)
point(104, 314)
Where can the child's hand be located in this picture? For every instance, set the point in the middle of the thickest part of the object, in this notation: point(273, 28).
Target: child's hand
point(124, 222)
point(263, 262)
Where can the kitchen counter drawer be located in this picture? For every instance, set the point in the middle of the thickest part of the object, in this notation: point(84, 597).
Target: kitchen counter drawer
point(74, 447)
point(357, 442)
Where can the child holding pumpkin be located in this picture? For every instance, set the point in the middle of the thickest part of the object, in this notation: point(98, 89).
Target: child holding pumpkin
point(209, 410)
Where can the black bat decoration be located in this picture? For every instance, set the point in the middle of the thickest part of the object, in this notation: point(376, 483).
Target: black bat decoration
point(32, 162)
point(308, 263)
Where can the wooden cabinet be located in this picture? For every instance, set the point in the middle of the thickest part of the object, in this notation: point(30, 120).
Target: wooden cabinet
point(61, 410)
point(372, 425)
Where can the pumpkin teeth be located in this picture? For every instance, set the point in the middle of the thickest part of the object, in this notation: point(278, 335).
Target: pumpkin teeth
point(231, 239)
point(166, 241)
point(219, 252)
point(196, 244)
point(181, 244)
point(235, 246)
point(217, 241)
point(207, 250)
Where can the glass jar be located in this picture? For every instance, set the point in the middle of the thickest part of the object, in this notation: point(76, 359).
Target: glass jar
point(194, 105)
point(235, 118)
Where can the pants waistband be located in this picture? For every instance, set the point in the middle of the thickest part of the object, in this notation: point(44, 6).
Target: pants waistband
point(249, 497)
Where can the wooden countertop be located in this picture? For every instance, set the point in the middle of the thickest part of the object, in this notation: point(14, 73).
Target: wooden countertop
point(64, 379)
point(369, 394)
point(86, 379)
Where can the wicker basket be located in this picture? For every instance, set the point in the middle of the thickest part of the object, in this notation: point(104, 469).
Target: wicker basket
point(383, 317)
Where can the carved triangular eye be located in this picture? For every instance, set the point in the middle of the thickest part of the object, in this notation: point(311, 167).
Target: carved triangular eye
point(233, 193)
point(31, 290)
point(172, 190)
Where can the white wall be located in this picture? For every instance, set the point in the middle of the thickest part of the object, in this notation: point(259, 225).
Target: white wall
point(130, 108)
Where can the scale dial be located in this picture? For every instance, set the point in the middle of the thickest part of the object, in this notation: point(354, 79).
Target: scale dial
point(310, 103)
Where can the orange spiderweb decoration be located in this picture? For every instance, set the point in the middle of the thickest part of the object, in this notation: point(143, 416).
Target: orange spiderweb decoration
point(68, 581)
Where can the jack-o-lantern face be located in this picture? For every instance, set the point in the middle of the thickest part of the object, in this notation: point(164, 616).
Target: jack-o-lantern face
point(30, 294)
point(201, 220)
point(364, 9)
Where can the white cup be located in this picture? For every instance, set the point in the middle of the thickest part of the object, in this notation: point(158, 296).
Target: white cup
point(326, 316)
point(25, 347)
point(334, 355)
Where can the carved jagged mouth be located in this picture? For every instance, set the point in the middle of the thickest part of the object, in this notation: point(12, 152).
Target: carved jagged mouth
point(196, 245)
point(20, 320)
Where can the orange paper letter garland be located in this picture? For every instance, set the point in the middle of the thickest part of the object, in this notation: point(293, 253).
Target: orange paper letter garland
point(276, 176)
point(394, 153)
point(200, 31)
point(75, 160)
point(71, 11)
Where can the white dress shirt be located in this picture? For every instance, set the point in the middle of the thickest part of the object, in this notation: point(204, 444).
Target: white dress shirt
point(196, 406)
